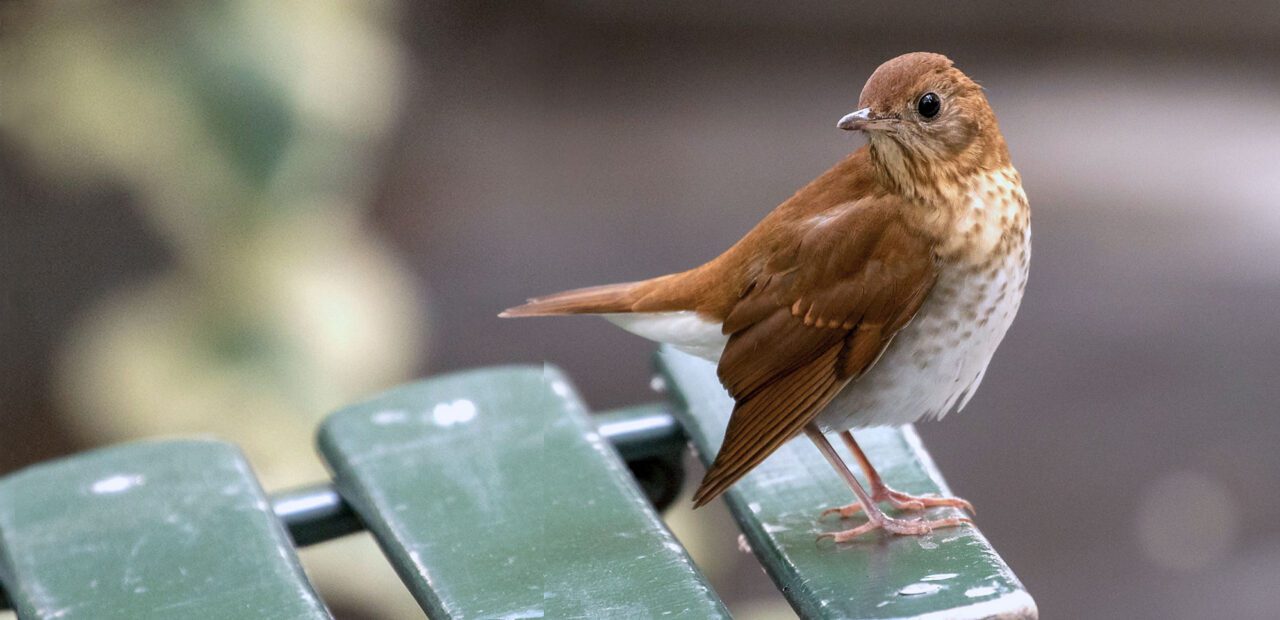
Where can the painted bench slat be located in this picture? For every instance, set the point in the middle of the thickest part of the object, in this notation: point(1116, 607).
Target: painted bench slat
point(172, 529)
point(951, 573)
point(495, 497)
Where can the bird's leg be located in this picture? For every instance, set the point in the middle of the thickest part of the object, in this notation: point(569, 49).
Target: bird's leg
point(880, 492)
point(876, 519)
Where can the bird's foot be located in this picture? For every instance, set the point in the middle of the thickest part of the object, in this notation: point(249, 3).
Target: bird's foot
point(900, 527)
point(901, 501)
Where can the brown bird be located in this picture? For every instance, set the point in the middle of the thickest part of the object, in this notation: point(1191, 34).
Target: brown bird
point(876, 295)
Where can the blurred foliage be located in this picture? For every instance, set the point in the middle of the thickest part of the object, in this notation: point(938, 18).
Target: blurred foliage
point(223, 115)
point(246, 131)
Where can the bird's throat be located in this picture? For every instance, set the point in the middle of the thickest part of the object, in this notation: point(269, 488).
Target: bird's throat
point(933, 177)
point(910, 174)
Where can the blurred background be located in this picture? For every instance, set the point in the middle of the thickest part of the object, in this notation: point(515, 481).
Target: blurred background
point(235, 216)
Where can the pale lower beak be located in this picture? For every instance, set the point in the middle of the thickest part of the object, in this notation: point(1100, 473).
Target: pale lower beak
point(862, 120)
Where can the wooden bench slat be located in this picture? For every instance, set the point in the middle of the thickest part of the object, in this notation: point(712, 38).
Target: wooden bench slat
point(173, 529)
point(495, 497)
point(952, 573)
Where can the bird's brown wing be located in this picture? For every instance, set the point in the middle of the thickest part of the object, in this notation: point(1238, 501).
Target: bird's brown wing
point(817, 314)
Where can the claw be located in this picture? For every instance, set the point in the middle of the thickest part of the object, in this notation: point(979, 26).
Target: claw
point(844, 511)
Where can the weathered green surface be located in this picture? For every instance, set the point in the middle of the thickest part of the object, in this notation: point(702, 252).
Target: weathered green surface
point(652, 442)
point(952, 573)
point(495, 497)
point(175, 529)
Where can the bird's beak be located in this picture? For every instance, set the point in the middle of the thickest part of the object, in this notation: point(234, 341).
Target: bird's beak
point(862, 120)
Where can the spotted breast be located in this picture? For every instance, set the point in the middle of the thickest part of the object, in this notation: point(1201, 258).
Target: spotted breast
point(935, 364)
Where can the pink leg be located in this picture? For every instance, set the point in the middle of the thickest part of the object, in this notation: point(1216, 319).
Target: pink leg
point(880, 492)
point(876, 518)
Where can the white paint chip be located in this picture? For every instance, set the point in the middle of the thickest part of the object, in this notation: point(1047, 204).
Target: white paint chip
point(524, 613)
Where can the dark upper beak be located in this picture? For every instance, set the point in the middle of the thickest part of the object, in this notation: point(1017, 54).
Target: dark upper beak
point(862, 120)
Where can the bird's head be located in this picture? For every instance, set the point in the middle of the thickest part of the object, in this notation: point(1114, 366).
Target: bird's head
point(926, 121)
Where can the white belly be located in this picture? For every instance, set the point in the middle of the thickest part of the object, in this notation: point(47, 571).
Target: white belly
point(936, 363)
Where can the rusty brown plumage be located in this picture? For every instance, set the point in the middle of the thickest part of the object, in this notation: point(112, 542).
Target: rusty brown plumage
point(815, 294)
point(823, 299)
point(824, 310)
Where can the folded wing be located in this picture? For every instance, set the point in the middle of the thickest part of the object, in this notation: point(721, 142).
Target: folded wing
point(818, 313)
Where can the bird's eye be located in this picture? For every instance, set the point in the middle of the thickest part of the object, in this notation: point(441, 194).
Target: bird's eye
point(929, 105)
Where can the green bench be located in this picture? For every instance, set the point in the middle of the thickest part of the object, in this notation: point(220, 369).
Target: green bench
point(494, 494)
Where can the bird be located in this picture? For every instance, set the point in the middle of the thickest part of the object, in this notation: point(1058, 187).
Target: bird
point(876, 295)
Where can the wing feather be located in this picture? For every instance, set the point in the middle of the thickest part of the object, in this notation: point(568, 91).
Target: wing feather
point(818, 314)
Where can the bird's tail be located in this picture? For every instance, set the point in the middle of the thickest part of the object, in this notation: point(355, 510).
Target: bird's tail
point(605, 299)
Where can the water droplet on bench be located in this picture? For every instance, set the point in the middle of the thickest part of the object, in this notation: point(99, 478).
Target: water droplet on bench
point(940, 577)
point(116, 484)
point(916, 589)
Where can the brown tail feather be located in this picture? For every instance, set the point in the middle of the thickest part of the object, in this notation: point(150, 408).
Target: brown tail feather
point(592, 300)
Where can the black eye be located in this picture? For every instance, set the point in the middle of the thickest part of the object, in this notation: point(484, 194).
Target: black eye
point(929, 105)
